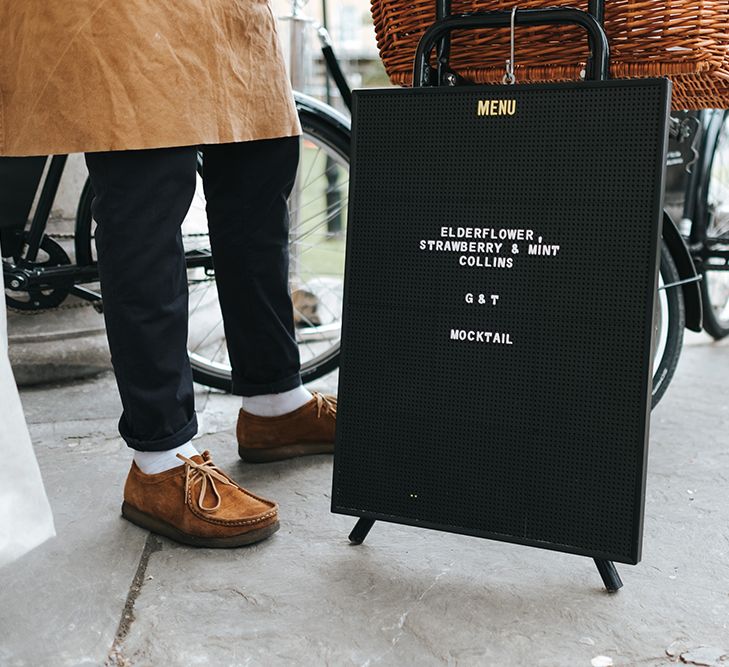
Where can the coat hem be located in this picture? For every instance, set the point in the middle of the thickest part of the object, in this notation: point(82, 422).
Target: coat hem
point(144, 145)
point(2, 123)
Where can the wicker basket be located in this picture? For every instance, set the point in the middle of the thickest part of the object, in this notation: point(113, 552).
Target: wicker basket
point(687, 41)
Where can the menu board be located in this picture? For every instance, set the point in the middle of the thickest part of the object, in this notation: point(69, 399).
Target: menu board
point(499, 293)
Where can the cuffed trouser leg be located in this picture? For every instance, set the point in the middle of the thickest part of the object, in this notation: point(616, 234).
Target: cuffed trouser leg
point(246, 188)
point(141, 199)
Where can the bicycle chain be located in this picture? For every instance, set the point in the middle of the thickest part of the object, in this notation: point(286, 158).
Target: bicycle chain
point(39, 311)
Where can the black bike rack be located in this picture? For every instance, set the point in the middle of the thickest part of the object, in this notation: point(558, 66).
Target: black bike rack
point(438, 32)
point(444, 75)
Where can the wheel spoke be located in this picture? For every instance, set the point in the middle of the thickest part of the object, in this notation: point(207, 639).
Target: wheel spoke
point(207, 335)
point(311, 166)
point(309, 232)
point(317, 337)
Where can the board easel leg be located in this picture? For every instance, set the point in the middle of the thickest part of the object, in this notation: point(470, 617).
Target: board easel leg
point(360, 530)
point(609, 574)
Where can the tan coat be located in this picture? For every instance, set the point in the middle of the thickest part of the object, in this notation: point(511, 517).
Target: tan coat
point(96, 75)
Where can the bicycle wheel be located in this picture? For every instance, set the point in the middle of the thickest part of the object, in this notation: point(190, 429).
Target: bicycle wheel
point(715, 271)
point(669, 322)
point(318, 224)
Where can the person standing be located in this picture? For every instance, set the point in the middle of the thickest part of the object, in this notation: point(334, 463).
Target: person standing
point(140, 87)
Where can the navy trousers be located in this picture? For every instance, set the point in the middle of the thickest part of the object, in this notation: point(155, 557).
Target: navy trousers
point(141, 199)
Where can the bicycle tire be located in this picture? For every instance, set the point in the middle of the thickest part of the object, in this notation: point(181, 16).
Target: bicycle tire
point(671, 309)
point(317, 122)
point(714, 295)
point(82, 238)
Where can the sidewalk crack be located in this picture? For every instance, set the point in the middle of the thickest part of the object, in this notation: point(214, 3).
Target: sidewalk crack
point(115, 657)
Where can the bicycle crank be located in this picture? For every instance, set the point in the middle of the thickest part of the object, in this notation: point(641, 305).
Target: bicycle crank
point(26, 288)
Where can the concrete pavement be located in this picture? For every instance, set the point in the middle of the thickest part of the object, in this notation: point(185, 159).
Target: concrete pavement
point(105, 591)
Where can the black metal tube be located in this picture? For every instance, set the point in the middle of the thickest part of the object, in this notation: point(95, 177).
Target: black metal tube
point(20, 177)
point(333, 193)
point(325, 25)
point(43, 208)
point(360, 530)
point(53, 276)
point(528, 17)
point(336, 73)
point(609, 574)
point(597, 9)
point(443, 51)
point(712, 121)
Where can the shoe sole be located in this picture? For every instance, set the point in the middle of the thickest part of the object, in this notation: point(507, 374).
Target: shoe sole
point(268, 454)
point(160, 527)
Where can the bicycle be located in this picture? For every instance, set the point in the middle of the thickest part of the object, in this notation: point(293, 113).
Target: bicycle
point(40, 274)
point(694, 260)
point(695, 196)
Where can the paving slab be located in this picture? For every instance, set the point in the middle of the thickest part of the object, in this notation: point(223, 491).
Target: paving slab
point(106, 592)
point(61, 604)
point(59, 344)
point(64, 603)
point(74, 401)
point(417, 597)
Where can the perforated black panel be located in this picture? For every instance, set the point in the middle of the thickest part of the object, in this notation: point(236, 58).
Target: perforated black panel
point(539, 438)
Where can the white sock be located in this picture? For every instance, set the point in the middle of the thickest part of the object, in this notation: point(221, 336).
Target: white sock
point(150, 463)
point(272, 405)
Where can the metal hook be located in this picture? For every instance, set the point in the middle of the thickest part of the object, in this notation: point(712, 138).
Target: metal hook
point(510, 77)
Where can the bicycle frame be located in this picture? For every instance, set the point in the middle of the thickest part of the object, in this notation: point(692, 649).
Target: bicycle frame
point(20, 178)
point(692, 248)
point(22, 275)
point(699, 242)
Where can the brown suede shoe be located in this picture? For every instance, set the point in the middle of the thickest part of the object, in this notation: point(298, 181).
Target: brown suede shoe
point(307, 430)
point(197, 504)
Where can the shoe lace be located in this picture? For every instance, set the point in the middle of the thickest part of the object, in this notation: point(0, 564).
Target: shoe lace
point(207, 472)
point(322, 401)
